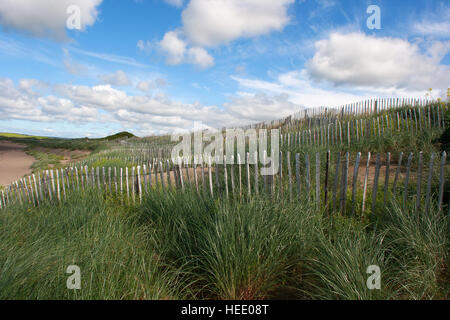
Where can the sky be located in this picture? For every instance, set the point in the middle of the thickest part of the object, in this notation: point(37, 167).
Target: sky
point(90, 68)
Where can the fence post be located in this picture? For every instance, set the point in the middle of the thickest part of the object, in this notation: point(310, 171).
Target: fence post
point(256, 173)
point(355, 181)
point(225, 175)
point(397, 172)
point(386, 177)
point(408, 170)
point(308, 185)
point(336, 180)
point(248, 176)
point(375, 183)
point(344, 182)
point(365, 184)
point(139, 183)
point(419, 182)
point(317, 180)
point(430, 176)
point(297, 173)
point(442, 180)
point(290, 174)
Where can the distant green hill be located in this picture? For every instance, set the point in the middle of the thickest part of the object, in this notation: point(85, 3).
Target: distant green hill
point(19, 135)
point(120, 135)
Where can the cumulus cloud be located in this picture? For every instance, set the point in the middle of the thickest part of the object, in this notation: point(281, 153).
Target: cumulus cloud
point(156, 114)
point(118, 78)
point(147, 86)
point(200, 57)
point(209, 23)
point(45, 18)
point(261, 107)
point(22, 103)
point(173, 47)
point(357, 59)
point(176, 51)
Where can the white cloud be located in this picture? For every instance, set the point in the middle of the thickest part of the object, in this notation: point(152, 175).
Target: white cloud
point(208, 23)
point(147, 86)
point(356, 59)
point(434, 24)
point(433, 28)
point(156, 114)
point(22, 103)
point(212, 22)
point(200, 57)
point(45, 18)
point(118, 78)
point(145, 46)
point(299, 90)
point(261, 107)
point(177, 52)
point(173, 47)
point(144, 86)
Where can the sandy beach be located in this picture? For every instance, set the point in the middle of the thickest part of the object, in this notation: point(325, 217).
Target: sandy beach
point(14, 162)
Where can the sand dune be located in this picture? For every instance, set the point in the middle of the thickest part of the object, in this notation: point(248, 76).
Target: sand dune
point(14, 162)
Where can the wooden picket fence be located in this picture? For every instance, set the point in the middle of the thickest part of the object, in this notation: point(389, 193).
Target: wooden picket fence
point(322, 129)
point(335, 183)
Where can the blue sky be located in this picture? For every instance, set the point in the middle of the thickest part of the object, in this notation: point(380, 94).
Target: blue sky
point(156, 66)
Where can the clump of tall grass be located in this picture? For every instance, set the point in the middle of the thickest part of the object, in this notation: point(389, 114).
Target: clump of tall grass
point(180, 244)
point(418, 243)
point(235, 250)
point(337, 269)
point(116, 260)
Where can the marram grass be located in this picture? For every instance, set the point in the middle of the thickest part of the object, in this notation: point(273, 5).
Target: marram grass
point(179, 245)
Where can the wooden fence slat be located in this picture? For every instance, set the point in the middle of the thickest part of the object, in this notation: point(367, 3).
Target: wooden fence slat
point(203, 177)
point(127, 183)
point(375, 183)
point(366, 175)
point(355, 181)
point(419, 182)
point(57, 184)
point(344, 182)
point(397, 173)
point(386, 177)
point(210, 177)
point(161, 174)
point(225, 175)
point(63, 183)
point(195, 175)
point(317, 180)
point(408, 170)
point(240, 174)
point(139, 183)
point(307, 177)
point(133, 184)
point(289, 174)
point(297, 174)
point(249, 187)
point(336, 180)
point(430, 176)
point(169, 182)
point(327, 164)
point(442, 180)
point(280, 173)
